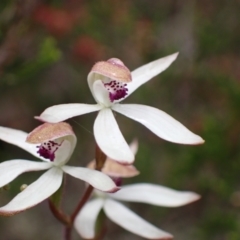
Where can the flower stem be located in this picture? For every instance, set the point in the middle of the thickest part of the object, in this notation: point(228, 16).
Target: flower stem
point(68, 233)
point(100, 160)
point(59, 214)
point(54, 203)
point(84, 199)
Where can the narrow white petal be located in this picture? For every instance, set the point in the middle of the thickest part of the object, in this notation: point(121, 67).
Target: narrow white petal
point(159, 122)
point(59, 113)
point(127, 219)
point(9, 170)
point(110, 139)
point(155, 195)
point(35, 193)
point(18, 138)
point(86, 219)
point(148, 71)
point(95, 178)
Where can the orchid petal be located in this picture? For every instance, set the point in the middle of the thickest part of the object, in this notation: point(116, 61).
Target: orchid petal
point(63, 153)
point(9, 170)
point(115, 169)
point(18, 138)
point(35, 193)
point(146, 72)
point(134, 146)
point(110, 139)
point(101, 94)
point(95, 178)
point(127, 219)
point(87, 217)
point(159, 122)
point(155, 195)
point(62, 112)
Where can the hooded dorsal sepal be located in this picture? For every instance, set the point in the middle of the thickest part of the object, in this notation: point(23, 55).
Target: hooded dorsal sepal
point(114, 69)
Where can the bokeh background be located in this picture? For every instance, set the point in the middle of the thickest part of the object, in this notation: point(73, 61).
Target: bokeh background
point(47, 49)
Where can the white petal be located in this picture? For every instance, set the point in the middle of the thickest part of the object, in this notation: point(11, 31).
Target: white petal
point(155, 195)
point(159, 122)
point(95, 178)
point(64, 152)
point(127, 219)
point(59, 113)
point(35, 193)
point(9, 170)
point(101, 94)
point(148, 71)
point(18, 138)
point(86, 219)
point(134, 146)
point(110, 139)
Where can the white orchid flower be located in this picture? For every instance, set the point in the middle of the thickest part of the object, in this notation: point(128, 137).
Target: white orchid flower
point(110, 83)
point(53, 143)
point(144, 193)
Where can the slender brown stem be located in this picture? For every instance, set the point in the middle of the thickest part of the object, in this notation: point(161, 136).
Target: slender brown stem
point(84, 199)
point(100, 160)
point(68, 227)
point(68, 233)
point(59, 214)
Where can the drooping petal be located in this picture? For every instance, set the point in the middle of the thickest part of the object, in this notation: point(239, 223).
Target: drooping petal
point(95, 178)
point(110, 139)
point(86, 219)
point(35, 193)
point(18, 138)
point(148, 71)
point(59, 113)
point(116, 169)
point(155, 195)
point(9, 170)
point(127, 219)
point(159, 122)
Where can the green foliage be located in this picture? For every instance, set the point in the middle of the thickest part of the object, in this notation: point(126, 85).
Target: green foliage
point(47, 54)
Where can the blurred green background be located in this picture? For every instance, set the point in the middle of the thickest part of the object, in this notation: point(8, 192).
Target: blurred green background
point(47, 49)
